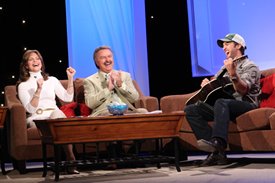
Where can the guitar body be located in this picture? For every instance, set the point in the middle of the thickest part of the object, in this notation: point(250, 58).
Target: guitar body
point(221, 87)
point(215, 89)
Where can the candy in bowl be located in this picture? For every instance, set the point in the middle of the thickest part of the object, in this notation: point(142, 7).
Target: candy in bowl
point(117, 109)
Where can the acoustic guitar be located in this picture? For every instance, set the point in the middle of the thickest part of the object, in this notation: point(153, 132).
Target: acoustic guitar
point(221, 87)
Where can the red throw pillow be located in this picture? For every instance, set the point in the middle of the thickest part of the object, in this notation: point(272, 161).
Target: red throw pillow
point(84, 109)
point(268, 89)
point(69, 109)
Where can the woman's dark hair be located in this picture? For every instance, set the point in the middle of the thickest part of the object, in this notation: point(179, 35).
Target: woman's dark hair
point(24, 74)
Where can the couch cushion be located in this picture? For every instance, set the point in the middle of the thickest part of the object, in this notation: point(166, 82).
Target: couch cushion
point(252, 120)
point(60, 102)
point(75, 109)
point(78, 107)
point(268, 91)
point(69, 109)
point(267, 72)
point(272, 121)
point(33, 133)
point(84, 109)
point(79, 90)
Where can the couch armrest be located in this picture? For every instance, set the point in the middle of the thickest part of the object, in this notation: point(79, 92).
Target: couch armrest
point(272, 121)
point(148, 102)
point(18, 127)
point(16, 123)
point(172, 103)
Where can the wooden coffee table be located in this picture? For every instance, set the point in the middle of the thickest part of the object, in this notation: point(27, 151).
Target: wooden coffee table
point(58, 132)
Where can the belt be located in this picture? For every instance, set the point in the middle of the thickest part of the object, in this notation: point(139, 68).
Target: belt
point(40, 111)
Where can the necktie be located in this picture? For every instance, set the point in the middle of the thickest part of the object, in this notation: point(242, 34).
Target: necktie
point(107, 77)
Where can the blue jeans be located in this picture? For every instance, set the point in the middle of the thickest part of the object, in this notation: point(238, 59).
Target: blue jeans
point(225, 110)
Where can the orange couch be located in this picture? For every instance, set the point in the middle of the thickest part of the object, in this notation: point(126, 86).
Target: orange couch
point(25, 144)
point(252, 131)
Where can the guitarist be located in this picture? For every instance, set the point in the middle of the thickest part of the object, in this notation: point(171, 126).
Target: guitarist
point(245, 76)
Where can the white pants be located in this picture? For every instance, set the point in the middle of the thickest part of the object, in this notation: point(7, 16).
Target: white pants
point(49, 114)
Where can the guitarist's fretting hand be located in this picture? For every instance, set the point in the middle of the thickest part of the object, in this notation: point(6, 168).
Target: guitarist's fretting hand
point(239, 85)
point(204, 82)
point(230, 66)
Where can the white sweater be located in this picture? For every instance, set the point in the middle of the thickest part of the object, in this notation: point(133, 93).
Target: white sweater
point(50, 89)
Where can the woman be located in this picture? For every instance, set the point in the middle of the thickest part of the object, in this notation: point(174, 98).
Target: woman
point(37, 91)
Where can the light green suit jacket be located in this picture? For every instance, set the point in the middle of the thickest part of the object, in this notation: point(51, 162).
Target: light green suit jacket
point(98, 96)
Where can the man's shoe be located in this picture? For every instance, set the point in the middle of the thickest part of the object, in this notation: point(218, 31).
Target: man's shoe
point(213, 145)
point(214, 159)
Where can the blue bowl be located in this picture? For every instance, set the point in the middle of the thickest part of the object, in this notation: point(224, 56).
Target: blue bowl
point(117, 109)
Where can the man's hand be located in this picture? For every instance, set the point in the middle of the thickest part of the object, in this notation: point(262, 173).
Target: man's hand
point(204, 82)
point(111, 85)
point(116, 77)
point(230, 66)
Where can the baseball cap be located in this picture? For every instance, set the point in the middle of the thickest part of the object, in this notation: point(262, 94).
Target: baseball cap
point(232, 37)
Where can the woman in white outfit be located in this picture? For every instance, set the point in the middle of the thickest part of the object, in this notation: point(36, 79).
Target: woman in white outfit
point(37, 92)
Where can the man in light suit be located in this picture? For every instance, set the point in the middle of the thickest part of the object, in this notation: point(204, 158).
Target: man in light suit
point(109, 85)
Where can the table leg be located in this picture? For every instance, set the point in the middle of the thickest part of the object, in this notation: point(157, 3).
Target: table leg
point(84, 156)
point(57, 162)
point(2, 153)
point(158, 149)
point(97, 151)
point(136, 145)
point(44, 154)
point(176, 148)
